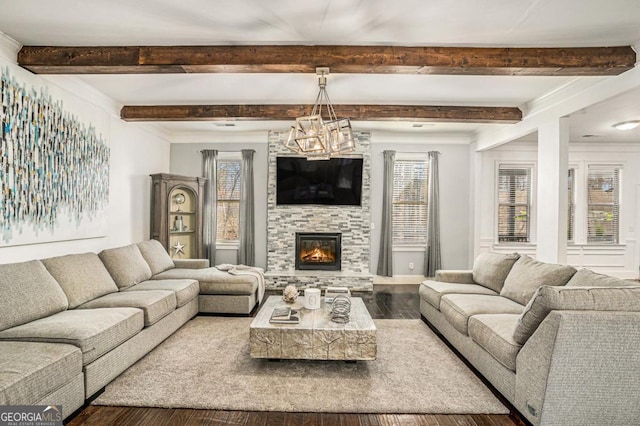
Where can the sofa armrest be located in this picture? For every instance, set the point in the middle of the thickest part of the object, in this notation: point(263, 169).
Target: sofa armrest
point(191, 263)
point(452, 276)
point(581, 367)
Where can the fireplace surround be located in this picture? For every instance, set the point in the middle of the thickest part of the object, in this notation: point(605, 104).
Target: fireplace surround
point(318, 251)
point(352, 222)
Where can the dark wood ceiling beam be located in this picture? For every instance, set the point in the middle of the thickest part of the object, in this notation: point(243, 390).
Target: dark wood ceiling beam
point(470, 114)
point(576, 61)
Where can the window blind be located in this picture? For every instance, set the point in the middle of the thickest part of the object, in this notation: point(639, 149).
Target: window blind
point(571, 199)
point(603, 204)
point(410, 186)
point(228, 201)
point(514, 203)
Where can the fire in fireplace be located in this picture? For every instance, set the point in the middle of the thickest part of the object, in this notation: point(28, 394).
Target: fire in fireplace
point(319, 251)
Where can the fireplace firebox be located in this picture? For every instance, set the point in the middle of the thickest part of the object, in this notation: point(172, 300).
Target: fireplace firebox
point(318, 251)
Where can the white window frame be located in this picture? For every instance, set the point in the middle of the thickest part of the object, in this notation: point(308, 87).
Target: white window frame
point(228, 244)
point(532, 202)
point(585, 203)
point(406, 156)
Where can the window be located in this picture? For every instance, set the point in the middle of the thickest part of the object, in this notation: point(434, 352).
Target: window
point(514, 204)
point(228, 201)
point(410, 186)
point(571, 199)
point(603, 204)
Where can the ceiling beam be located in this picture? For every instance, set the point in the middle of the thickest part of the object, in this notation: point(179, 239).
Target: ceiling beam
point(469, 114)
point(571, 61)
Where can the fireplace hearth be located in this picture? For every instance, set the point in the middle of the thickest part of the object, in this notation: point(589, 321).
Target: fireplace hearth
point(318, 251)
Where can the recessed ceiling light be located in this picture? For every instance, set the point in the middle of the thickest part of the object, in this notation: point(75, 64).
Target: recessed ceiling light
point(589, 135)
point(224, 124)
point(627, 125)
point(419, 125)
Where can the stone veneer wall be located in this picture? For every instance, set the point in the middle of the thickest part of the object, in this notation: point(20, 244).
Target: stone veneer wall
point(354, 222)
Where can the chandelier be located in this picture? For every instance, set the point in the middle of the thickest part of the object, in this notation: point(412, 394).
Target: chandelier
point(318, 138)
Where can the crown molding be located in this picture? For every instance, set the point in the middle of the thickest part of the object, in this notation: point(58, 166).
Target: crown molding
point(9, 48)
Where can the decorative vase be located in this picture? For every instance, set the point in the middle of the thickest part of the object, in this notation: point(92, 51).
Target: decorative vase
point(290, 294)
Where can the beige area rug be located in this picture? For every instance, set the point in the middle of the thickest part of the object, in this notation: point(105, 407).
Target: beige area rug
point(206, 364)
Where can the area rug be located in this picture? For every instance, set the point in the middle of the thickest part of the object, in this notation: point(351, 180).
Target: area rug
point(206, 364)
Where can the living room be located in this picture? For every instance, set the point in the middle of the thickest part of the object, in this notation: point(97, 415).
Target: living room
point(563, 127)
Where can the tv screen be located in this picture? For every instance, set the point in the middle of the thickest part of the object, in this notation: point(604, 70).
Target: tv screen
point(337, 181)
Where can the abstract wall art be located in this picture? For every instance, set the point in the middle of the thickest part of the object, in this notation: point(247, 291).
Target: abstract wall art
point(51, 164)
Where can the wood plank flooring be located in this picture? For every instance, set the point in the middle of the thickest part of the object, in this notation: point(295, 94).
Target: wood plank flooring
point(388, 301)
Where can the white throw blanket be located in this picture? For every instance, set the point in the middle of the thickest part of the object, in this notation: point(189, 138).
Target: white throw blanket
point(246, 270)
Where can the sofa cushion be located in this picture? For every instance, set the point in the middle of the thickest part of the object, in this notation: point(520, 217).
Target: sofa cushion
point(29, 371)
point(94, 331)
point(494, 333)
point(156, 304)
point(213, 280)
point(458, 308)
point(126, 265)
point(185, 290)
point(528, 274)
point(156, 256)
point(21, 286)
point(491, 269)
point(548, 299)
point(432, 291)
point(82, 277)
point(588, 278)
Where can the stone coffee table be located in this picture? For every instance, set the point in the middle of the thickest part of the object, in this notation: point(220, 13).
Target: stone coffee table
point(316, 336)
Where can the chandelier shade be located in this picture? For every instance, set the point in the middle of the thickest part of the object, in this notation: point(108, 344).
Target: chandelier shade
point(318, 138)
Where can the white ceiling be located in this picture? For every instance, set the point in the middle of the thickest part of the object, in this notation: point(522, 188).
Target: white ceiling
point(540, 23)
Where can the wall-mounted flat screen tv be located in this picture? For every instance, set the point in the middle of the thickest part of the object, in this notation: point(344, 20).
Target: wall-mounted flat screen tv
point(337, 181)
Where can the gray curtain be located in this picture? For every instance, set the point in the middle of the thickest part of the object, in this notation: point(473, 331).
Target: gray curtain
point(432, 261)
point(209, 168)
point(385, 259)
point(247, 249)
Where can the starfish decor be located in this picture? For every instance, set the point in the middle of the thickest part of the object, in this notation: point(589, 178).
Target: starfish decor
point(178, 247)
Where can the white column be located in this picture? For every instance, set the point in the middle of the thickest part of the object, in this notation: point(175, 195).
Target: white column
point(551, 203)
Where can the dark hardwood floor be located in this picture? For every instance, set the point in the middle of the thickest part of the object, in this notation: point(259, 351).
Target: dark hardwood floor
point(385, 302)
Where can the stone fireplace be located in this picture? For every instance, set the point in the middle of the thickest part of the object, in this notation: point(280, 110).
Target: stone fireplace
point(286, 222)
point(318, 251)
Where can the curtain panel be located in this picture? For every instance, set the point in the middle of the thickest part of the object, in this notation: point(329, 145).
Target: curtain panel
point(209, 171)
point(247, 249)
point(385, 258)
point(432, 258)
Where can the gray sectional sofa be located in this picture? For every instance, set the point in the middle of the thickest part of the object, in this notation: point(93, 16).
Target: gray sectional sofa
point(71, 324)
point(563, 346)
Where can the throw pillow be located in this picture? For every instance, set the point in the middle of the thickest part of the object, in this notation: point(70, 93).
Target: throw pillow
point(588, 278)
point(126, 265)
point(156, 256)
point(491, 269)
point(548, 299)
point(528, 274)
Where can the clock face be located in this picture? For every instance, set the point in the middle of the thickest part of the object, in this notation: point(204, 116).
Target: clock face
point(178, 198)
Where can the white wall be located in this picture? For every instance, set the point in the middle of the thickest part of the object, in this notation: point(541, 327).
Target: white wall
point(619, 259)
point(135, 154)
point(454, 201)
point(186, 160)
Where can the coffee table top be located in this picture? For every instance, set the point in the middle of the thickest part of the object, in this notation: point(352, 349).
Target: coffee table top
point(315, 336)
point(314, 319)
